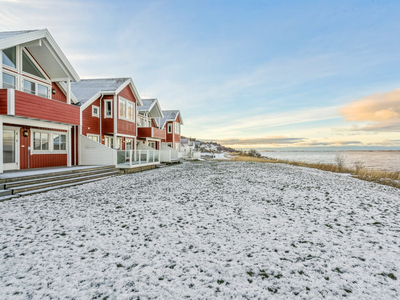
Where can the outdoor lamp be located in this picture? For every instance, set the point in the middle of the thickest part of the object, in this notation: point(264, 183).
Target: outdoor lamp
point(25, 133)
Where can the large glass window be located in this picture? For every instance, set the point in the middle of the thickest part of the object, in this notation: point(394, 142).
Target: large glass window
point(40, 141)
point(29, 87)
point(8, 81)
point(177, 128)
point(126, 110)
point(122, 108)
point(10, 57)
point(43, 91)
point(29, 67)
point(59, 142)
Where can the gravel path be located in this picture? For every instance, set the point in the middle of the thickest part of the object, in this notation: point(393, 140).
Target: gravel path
point(205, 230)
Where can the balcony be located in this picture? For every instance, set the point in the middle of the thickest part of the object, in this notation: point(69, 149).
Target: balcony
point(17, 103)
point(151, 132)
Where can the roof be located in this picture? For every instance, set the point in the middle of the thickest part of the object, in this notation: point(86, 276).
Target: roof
point(44, 49)
point(7, 34)
point(147, 104)
point(86, 89)
point(152, 106)
point(170, 115)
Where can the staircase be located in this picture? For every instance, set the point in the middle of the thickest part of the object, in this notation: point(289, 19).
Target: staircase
point(43, 182)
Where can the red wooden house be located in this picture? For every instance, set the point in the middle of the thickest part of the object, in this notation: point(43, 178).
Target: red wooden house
point(108, 109)
point(37, 111)
point(171, 123)
point(149, 116)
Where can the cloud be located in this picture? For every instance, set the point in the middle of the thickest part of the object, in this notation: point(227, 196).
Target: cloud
point(385, 143)
point(381, 110)
point(273, 140)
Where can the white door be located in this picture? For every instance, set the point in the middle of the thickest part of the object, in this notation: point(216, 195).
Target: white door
point(10, 148)
point(128, 147)
point(119, 143)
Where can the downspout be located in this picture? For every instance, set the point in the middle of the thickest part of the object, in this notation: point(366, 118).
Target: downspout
point(101, 123)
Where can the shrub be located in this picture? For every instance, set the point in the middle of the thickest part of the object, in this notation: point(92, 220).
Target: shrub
point(340, 160)
point(253, 153)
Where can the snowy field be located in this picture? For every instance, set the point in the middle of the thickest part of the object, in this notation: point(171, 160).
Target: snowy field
point(205, 230)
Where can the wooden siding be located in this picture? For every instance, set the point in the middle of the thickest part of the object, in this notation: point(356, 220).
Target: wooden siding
point(90, 124)
point(144, 132)
point(178, 119)
point(127, 127)
point(37, 160)
point(59, 95)
point(31, 106)
point(3, 101)
point(177, 138)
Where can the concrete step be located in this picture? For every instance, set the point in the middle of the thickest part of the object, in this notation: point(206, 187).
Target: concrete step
point(15, 184)
point(9, 197)
point(63, 186)
point(43, 185)
point(5, 193)
point(55, 173)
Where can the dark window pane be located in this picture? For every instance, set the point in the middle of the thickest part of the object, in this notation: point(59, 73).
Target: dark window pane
point(9, 57)
point(29, 87)
point(36, 141)
point(29, 67)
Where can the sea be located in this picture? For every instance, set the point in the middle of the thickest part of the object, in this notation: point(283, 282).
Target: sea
point(379, 160)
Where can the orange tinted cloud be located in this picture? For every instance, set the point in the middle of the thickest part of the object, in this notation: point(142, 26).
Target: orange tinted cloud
point(380, 107)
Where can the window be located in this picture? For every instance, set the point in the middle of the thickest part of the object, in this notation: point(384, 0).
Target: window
point(177, 128)
point(95, 111)
point(122, 108)
point(169, 128)
point(152, 145)
point(109, 141)
point(10, 57)
point(59, 142)
point(93, 137)
point(8, 81)
point(29, 87)
point(126, 110)
point(40, 141)
point(169, 145)
point(43, 91)
point(29, 67)
point(108, 109)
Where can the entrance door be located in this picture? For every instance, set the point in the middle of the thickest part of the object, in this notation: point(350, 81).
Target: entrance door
point(10, 148)
point(128, 147)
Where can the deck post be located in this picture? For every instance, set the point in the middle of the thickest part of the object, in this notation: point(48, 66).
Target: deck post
point(1, 68)
point(1, 145)
point(130, 158)
point(140, 157)
point(69, 147)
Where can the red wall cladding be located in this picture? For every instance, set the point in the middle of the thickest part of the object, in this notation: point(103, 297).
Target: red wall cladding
point(3, 101)
point(127, 127)
point(31, 106)
point(59, 95)
point(88, 121)
point(37, 160)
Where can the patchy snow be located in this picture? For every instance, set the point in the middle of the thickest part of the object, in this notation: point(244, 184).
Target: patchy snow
point(205, 230)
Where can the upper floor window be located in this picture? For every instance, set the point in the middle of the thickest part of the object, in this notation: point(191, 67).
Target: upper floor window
point(108, 108)
point(10, 57)
point(126, 110)
point(29, 87)
point(8, 81)
point(43, 91)
point(169, 128)
point(29, 67)
point(177, 128)
point(95, 111)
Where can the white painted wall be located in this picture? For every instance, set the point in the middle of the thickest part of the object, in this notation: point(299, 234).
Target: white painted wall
point(92, 153)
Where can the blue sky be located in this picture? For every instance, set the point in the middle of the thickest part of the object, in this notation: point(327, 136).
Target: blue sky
point(262, 74)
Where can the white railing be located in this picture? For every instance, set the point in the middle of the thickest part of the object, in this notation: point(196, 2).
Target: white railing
point(168, 154)
point(132, 158)
point(190, 154)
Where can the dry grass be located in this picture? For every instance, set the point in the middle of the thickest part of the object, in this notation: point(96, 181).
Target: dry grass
point(382, 177)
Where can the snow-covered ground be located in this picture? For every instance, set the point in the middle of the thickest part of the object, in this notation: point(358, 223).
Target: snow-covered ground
point(205, 230)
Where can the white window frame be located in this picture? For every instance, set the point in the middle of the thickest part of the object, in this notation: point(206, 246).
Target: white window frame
point(20, 76)
point(177, 128)
point(5, 71)
point(111, 139)
point(51, 142)
point(93, 135)
point(127, 102)
point(98, 111)
point(169, 127)
point(105, 108)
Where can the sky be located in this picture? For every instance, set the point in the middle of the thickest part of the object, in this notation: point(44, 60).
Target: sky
point(248, 74)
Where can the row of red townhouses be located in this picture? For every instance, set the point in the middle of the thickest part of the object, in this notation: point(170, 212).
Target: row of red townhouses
point(49, 117)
